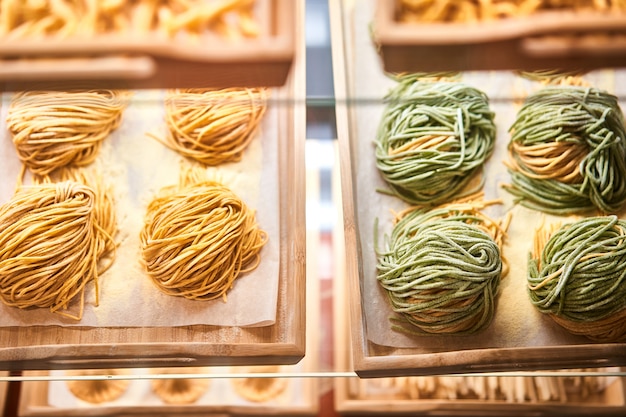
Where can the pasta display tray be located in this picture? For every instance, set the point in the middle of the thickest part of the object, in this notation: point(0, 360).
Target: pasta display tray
point(545, 39)
point(519, 337)
point(142, 44)
point(133, 324)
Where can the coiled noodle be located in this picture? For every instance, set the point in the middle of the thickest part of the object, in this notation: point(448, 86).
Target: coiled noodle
point(577, 275)
point(568, 151)
point(433, 138)
point(441, 268)
point(198, 237)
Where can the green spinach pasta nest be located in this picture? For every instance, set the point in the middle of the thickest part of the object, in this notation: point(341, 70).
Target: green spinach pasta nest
point(441, 269)
point(577, 275)
point(432, 139)
point(567, 152)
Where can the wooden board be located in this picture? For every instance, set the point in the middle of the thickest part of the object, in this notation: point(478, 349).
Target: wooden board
point(549, 39)
point(358, 76)
point(152, 61)
point(298, 398)
point(354, 396)
point(47, 347)
point(4, 387)
point(301, 397)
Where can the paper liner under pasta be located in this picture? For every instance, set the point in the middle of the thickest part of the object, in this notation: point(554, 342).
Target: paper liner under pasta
point(138, 166)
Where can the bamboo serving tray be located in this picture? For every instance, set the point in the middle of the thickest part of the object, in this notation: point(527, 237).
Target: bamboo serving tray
point(148, 61)
point(520, 338)
point(552, 39)
point(57, 347)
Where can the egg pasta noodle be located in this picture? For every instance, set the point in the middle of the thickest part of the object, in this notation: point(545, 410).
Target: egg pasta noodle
point(441, 268)
point(556, 77)
point(62, 19)
point(198, 237)
point(54, 129)
point(577, 275)
point(567, 152)
point(430, 11)
point(433, 139)
point(213, 126)
point(56, 238)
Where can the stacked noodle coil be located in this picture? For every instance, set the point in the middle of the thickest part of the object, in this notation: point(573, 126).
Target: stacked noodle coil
point(433, 139)
point(214, 126)
point(441, 268)
point(577, 275)
point(198, 237)
point(55, 238)
point(56, 129)
point(568, 151)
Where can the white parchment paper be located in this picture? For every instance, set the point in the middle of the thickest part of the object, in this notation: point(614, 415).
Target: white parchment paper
point(516, 323)
point(138, 166)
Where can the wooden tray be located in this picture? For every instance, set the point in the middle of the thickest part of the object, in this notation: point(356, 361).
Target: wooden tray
point(359, 87)
point(123, 61)
point(348, 400)
point(301, 397)
point(554, 39)
point(54, 347)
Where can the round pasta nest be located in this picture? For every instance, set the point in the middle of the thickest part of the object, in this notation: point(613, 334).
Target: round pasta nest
point(259, 389)
point(567, 152)
point(441, 268)
point(98, 391)
point(53, 237)
point(199, 237)
point(213, 126)
point(179, 390)
point(56, 129)
point(433, 138)
point(577, 275)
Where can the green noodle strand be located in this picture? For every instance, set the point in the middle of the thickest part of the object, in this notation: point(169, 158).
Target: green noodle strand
point(433, 172)
point(440, 271)
point(588, 117)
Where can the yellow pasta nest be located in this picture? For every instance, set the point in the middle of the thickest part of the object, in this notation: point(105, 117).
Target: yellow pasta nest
point(97, 391)
point(260, 389)
point(198, 238)
point(52, 237)
point(180, 390)
point(56, 129)
point(213, 126)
